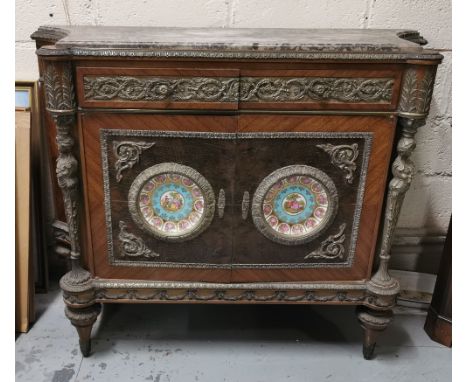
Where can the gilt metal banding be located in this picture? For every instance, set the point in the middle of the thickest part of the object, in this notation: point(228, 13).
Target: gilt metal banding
point(234, 89)
point(181, 89)
point(245, 204)
point(314, 89)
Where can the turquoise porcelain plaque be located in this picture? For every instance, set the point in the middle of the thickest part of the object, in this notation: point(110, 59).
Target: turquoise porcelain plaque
point(172, 201)
point(294, 204)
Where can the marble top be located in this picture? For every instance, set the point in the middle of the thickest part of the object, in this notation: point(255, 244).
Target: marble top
point(259, 40)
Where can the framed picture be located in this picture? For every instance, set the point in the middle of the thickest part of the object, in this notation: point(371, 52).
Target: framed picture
point(24, 96)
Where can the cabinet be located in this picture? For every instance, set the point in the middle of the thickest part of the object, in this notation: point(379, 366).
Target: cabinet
point(233, 166)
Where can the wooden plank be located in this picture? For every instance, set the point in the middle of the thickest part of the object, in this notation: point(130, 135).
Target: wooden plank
point(24, 280)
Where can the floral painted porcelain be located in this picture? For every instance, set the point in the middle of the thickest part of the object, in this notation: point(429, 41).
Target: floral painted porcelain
point(294, 204)
point(171, 201)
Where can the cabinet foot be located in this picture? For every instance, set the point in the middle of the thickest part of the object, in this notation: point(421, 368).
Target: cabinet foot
point(373, 322)
point(83, 320)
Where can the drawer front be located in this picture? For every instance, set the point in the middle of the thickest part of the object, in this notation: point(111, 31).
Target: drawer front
point(165, 209)
point(153, 88)
point(320, 89)
point(308, 196)
point(231, 89)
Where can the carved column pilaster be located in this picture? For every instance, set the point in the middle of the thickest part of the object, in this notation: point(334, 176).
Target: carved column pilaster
point(78, 292)
point(382, 284)
point(416, 93)
point(60, 103)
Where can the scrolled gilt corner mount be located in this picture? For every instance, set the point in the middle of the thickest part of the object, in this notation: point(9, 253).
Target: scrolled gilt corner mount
point(246, 154)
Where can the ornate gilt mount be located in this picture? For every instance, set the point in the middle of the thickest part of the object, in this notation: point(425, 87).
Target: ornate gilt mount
point(344, 157)
point(132, 245)
point(310, 89)
point(332, 247)
point(128, 154)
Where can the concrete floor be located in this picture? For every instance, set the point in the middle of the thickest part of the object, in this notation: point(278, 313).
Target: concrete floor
point(183, 343)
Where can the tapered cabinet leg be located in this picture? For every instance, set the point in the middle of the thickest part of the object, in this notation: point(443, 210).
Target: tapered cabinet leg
point(373, 322)
point(83, 320)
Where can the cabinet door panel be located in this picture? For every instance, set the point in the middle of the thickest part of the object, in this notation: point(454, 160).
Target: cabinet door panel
point(157, 215)
point(315, 187)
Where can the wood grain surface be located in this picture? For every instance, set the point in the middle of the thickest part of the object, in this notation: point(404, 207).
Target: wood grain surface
point(247, 240)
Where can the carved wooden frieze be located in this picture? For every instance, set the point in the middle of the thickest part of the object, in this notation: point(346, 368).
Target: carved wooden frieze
point(245, 89)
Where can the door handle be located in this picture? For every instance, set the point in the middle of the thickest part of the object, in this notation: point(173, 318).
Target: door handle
point(245, 204)
point(221, 203)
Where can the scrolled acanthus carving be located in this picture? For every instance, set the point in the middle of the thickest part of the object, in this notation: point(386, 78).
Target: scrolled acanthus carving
point(203, 89)
point(344, 157)
point(332, 247)
point(128, 154)
point(245, 89)
point(278, 89)
point(132, 245)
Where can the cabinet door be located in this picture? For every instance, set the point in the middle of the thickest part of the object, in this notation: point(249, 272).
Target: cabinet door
point(309, 192)
point(159, 192)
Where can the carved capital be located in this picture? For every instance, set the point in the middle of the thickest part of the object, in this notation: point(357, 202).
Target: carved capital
point(416, 92)
point(59, 87)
